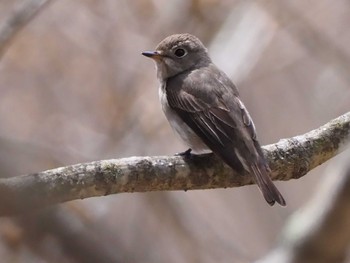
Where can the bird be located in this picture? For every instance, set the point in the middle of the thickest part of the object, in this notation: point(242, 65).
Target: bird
point(203, 106)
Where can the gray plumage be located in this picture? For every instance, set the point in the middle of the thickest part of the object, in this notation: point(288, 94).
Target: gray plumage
point(203, 106)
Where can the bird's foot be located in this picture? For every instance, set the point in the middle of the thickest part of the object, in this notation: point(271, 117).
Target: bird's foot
point(186, 154)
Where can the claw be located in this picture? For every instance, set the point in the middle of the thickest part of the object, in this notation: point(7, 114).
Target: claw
point(186, 154)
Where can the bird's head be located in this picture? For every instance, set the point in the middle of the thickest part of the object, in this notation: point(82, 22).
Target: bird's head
point(178, 53)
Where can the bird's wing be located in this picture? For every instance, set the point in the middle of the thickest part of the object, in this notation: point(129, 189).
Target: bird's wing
point(210, 106)
point(222, 128)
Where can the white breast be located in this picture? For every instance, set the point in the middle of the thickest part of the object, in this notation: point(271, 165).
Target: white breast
point(181, 128)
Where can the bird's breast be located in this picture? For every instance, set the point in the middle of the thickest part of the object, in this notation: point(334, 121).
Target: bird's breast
point(180, 127)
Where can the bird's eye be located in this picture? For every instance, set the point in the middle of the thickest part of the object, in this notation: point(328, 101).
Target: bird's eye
point(180, 52)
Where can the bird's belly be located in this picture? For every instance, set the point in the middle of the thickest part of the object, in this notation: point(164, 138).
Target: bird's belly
point(182, 129)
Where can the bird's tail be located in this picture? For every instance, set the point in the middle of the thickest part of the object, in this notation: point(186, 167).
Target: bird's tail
point(260, 173)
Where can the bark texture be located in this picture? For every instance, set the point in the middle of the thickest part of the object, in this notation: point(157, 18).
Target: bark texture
point(289, 159)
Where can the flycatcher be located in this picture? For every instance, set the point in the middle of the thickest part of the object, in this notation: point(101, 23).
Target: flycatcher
point(203, 106)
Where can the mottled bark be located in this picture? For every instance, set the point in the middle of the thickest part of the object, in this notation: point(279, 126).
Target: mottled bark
point(289, 159)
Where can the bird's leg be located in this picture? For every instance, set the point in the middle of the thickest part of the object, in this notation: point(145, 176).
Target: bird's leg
point(186, 154)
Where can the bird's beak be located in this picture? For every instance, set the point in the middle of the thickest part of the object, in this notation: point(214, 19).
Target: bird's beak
point(152, 54)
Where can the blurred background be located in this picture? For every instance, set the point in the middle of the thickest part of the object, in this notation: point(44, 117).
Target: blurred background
point(74, 88)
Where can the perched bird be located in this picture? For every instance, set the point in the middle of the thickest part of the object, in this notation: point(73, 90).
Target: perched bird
point(203, 106)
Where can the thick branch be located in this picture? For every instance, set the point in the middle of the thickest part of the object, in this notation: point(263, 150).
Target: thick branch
point(289, 159)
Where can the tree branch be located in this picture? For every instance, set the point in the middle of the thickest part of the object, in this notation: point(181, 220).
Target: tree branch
point(289, 159)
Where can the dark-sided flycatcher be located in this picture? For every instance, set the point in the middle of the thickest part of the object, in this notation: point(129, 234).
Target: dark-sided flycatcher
point(203, 106)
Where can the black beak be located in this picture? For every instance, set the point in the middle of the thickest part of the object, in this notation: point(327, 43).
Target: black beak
point(151, 54)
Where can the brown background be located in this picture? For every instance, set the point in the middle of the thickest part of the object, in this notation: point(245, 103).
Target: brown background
point(74, 88)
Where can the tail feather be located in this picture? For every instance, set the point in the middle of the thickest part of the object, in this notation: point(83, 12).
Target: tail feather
point(265, 184)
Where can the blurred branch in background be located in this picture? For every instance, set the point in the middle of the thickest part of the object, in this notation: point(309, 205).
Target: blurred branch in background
point(81, 239)
point(17, 20)
point(321, 46)
point(320, 231)
point(289, 159)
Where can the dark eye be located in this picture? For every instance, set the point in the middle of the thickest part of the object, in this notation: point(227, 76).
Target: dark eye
point(180, 52)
